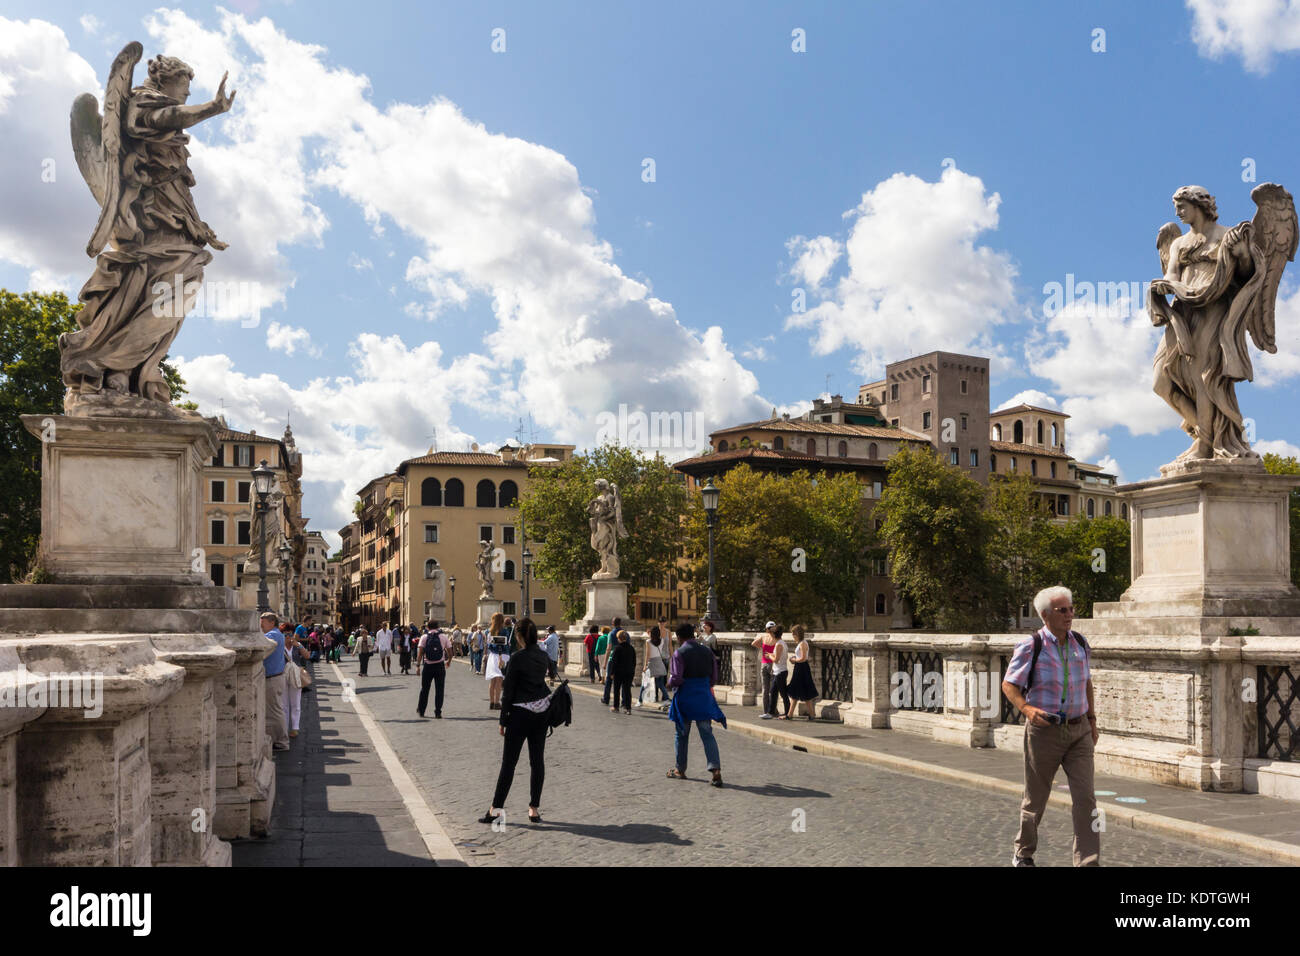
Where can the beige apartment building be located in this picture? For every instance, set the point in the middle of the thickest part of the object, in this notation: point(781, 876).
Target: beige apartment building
point(1029, 439)
point(314, 589)
point(228, 498)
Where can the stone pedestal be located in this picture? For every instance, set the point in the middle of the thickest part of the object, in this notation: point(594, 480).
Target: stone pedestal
point(84, 774)
point(606, 600)
point(121, 498)
point(245, 770)
point(486, 608)
point(183, 756)
point(274, 589)
point(1212, 538)
point(1210, 564)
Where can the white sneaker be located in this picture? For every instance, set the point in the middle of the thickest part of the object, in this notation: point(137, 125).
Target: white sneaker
point(638, 704)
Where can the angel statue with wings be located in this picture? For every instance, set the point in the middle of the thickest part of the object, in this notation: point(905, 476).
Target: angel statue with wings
point(605, 513)
point(135, 161)
point(1224, 283)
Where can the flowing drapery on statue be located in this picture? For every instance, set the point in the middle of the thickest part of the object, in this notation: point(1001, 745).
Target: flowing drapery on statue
point(605, 515)
point(483, 565)
point(1224, 283)
point(135, 161)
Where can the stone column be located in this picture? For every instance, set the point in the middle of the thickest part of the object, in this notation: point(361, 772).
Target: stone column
point(17, 687)
point(183, 756)
point(748, 687)
point(245, 770)
point(84, 778)
point(970, 708)
point(871, 684)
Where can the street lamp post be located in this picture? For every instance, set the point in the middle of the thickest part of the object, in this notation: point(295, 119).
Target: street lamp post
point(528, 564)
point(451, 581)
point(711, 494)
point(285, 554)
point(262, 478)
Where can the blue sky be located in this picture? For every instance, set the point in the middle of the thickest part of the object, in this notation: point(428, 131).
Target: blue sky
point(445, 238)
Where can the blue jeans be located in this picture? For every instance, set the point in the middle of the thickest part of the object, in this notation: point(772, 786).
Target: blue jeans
point(705, 728)
point(476, 658)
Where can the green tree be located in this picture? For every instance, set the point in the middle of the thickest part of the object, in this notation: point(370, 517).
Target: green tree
point(788, 548)
point(554, 510)
point(1023, 538)
point(1277, 465)
point(31, 384)
point(940, 534)
point(1090, 556)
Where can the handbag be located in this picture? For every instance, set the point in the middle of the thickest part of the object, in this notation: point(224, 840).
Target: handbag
point(305, 677)
point(293, 673)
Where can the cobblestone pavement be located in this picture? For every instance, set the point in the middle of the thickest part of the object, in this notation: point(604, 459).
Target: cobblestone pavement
point(607, 800)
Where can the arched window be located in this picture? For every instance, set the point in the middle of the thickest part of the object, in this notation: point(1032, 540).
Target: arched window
point(1040, 431)
point(1123, 511)
point(812, 446)
point(778, 444)
point(1055, 435)
point(843, 449)
point(1052, 466)
point(722, 445)
point(453, 493)
point(431, 492)
point(993, 462)
point(508, 494)
point(429, 567)
point(1018, 432)
point(1106, 507)
point(1092, 508)
point(509, 573)
point(1011, 466)
point(1033, 466)
point(873, 451)
point(485, 495)
point(880, 603)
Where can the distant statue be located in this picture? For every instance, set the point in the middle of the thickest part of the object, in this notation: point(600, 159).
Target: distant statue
point(605, 513)
point(1224, 283)
point(274, 531)
point(483, 564)
point(438, 578)
point(135, 161)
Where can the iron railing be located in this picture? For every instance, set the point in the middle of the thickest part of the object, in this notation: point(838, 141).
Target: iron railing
point(837, 673)
point(725, 675)
point(1278, 713)
point(1009, 713)
point(914, 665)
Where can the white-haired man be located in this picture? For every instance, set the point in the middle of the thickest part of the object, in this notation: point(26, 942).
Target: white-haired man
point(1049, 681)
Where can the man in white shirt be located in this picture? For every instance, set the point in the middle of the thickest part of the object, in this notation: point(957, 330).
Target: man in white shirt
point(384, 647)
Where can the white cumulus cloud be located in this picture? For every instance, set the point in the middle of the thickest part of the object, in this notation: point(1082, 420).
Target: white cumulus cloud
point(1255, 30)
point(287, 339)
point(917, 277)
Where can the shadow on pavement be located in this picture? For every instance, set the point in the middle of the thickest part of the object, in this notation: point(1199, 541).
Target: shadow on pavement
point(634, 833)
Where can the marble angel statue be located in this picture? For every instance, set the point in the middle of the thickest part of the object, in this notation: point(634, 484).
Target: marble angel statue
point(1224, 285)
point(605, 515)
point(149, 241)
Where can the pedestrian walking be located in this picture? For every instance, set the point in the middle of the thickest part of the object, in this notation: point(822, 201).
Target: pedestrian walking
point(458, 642)
point(709, 639)
point(435, 656)
point(767, 644)
point(802, 689)
point(273, 665)
point(603, 649)
point(477, 643)
point(780, 673)
point(364, 650)
point(552, 645)
point(693, 672)
point(404, 646)
point(295, 655)
point(498, 656)
point(656, 667)
point(593, 662)
point(1049, 680)
point(622, 665)
point(524, 701)
point(384, 648)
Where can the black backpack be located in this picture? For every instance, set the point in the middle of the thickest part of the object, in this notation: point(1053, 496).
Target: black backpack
point(561, 709)
point(434, 639)
point(1038, 649)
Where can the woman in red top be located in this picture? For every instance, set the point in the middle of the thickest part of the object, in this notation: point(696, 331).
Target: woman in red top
point(767, 641)
point(593, 667)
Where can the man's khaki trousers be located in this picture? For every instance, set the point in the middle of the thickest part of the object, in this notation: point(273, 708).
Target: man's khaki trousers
point(275, 725)
point(1047, 748)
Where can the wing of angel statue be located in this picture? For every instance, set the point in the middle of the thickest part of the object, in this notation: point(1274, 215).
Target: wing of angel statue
point(97, 143)
point(1276, 233)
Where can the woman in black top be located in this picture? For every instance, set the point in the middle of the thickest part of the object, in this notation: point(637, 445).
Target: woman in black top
point(524, 699)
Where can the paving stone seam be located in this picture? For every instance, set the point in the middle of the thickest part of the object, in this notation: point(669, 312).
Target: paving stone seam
point(441, 849)
point(1200, 833)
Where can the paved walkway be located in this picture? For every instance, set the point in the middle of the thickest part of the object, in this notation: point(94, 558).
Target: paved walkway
point(608, 802)
point(336, 801)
